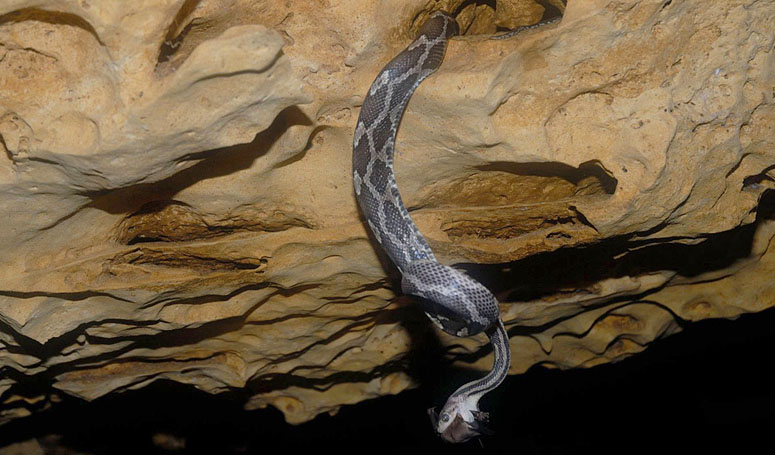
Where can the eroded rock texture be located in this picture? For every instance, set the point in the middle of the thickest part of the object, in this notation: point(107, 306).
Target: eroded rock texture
point(177, 199)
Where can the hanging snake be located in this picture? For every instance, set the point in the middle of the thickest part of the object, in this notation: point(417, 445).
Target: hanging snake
point(456, 303)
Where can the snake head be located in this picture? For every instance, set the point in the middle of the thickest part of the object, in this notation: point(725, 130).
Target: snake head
point(451, 426)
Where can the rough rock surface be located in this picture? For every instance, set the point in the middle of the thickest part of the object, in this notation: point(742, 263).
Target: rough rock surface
point(177, 199)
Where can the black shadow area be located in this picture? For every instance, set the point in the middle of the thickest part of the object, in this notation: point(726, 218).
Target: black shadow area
point(708, 387)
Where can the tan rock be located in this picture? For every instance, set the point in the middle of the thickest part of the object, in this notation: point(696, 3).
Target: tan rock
point(177, 199)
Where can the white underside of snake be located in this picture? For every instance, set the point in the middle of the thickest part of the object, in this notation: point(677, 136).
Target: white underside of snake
point(458, 304)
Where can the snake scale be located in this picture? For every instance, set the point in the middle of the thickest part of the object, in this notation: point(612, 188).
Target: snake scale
point(456, 303)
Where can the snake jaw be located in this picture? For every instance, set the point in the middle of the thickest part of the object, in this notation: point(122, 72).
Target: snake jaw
point(460, 419)
point(459, 430)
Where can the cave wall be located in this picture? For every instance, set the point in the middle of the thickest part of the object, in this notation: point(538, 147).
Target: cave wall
point(177, 199)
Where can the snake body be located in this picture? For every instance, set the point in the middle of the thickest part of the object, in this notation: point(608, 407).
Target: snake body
point(456, 303)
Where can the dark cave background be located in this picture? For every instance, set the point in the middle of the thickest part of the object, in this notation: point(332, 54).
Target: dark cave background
point(709, 387)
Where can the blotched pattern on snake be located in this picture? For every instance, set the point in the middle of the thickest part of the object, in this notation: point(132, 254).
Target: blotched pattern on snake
point(458, 304)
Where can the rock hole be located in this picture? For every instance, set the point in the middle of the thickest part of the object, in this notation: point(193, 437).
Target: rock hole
point(504, 208)
point(181, 26)
point(754, 182)
point(487, 17)
point(587, 179)
point(174, 221)
point(161, 221)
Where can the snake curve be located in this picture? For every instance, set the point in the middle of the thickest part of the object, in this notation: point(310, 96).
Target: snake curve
point(456, 303)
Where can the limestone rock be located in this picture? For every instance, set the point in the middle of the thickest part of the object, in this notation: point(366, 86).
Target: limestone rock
point(177, 197)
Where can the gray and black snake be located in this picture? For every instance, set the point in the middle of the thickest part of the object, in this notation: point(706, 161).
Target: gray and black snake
point(456, 303)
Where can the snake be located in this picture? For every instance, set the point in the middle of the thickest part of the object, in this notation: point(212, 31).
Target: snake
point(455, 302)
